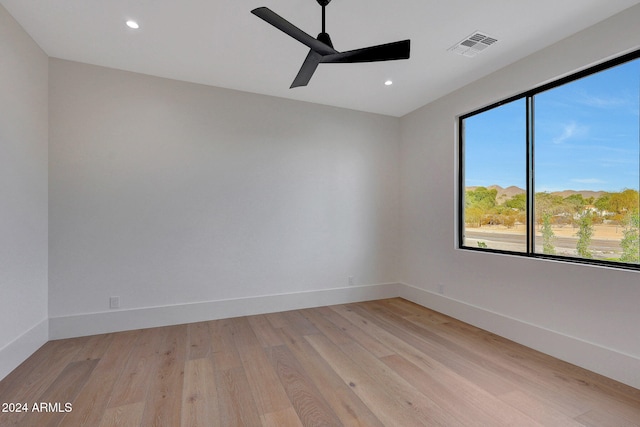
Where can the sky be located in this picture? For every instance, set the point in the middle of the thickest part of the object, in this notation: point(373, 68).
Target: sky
point(586, 136)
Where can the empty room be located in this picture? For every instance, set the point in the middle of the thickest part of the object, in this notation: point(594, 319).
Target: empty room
point(319, 213)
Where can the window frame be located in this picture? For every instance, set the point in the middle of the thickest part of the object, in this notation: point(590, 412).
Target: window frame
point(529, 96)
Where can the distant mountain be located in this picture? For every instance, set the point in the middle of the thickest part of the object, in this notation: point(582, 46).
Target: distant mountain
point(585, 193)
point(504, 194)
point(507, 193)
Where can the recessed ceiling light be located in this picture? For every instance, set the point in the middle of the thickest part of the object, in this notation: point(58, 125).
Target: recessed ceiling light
point(133, 24)
point(388, 83)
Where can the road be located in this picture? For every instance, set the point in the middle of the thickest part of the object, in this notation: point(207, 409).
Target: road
point(562, 244)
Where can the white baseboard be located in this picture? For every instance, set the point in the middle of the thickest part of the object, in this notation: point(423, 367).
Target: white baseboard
point(17, 351)
point(605, 361)
point(122, 320)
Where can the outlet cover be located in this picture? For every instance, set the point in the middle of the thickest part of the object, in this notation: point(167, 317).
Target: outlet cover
point(114, 302)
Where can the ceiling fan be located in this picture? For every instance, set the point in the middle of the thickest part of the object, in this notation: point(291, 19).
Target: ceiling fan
point(322, 50)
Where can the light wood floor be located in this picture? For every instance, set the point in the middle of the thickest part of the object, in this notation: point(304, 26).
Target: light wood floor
point(379, 363)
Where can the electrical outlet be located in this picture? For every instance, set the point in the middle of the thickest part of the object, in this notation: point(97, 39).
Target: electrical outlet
point(352, 281)
point(114, 302)
point(441, 289)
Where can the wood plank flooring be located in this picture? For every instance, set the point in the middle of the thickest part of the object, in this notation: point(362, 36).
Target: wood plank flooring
point(377, 363)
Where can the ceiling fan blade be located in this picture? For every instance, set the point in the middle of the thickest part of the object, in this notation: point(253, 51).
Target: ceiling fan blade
point(383, 52)
point(308, 68)
point(287, 27)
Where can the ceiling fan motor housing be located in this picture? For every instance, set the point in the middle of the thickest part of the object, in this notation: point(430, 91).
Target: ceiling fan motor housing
point(324, 38)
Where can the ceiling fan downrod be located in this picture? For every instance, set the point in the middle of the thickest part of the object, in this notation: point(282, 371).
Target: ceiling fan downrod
point(323, 19)
point(324, 36)
point(324, 4)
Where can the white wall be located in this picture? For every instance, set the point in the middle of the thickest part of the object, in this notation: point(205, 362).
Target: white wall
point(187, 199)
point(164, 192)
point(23, 195)
point(587, 315)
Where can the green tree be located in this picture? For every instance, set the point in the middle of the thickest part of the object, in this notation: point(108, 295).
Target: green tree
point(603, 203)
point(519, 202)
point(481, 197)
point(574, 203)
point(630, 243)
point(548, 236)
point(479, 203)
point(625, 201)
point(585, 232)
point(547, 203)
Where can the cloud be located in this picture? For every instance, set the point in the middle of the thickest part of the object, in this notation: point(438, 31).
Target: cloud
point(571, 130)
point(622, 104)
point(599, 102)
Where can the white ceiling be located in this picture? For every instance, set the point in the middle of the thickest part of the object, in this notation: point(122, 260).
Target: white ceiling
point(220, 43)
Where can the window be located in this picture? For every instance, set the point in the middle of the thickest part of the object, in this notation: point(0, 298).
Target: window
point(555, 172)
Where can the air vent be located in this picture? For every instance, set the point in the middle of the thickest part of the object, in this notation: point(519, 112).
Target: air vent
point(474, 44)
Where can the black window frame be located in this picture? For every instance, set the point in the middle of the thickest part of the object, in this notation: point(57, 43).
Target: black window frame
point(530, 168)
